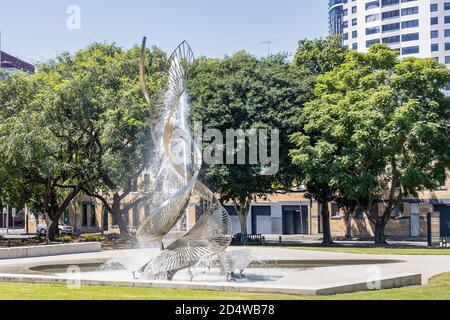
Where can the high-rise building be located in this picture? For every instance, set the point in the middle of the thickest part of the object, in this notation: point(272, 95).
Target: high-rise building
point(335, 16)
point(418, 28)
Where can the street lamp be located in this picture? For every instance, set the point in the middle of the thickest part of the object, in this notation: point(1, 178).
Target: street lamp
point(7, 219)
point(4, 217)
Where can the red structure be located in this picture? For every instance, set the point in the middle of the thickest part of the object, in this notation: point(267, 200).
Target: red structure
point(10, 62)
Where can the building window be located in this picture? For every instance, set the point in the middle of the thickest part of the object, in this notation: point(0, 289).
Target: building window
point(373, 17)
point(394, 39)
point(93, 215)
point(398, 211)
point(410, 37)
point(434, 47)
point(434, 21)
point(390, 14)
point(434, 7)
point(373, 30)
point(372, 42)
point(372, 5)
point(385, 3)
point(391, 27)
point(355, 46)
point(410, 50)
point(335, 211)
point(134, 185)
point(355, 34)
point(84, 216)
point(447, 6)
point(410, 11)
point(434, 34)
point(447, 33)
point(410, 24)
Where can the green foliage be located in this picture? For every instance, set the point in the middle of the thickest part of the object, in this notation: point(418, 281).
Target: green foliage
point(378, 130)
point(243, 92)
point(93, 237)
point(316, 57)
point(66, 239)
point(80, 122)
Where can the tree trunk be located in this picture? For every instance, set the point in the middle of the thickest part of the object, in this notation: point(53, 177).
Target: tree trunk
point(243, 222)
point(58, 211)
point(348, 227)
point(118, 215)
point(327, 238)
point(380, 238)
point(53, 230)
point(242, 209)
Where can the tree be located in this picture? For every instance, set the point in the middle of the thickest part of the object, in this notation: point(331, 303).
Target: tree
point(315, 58)
point(80, 124)
point(123, 124)
point(319, 56)
point(40, 145)
point(243, 92)
point(378, 131)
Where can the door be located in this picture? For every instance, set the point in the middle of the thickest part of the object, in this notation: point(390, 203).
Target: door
point(415, 220)
point(261, 220)
point(445, 219)
point(295, 220)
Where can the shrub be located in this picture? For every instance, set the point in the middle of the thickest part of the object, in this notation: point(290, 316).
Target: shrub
point(94, 237)
point(65, 239)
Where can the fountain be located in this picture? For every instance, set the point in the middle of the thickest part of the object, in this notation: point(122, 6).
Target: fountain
point(175, 163)
point(199, 260)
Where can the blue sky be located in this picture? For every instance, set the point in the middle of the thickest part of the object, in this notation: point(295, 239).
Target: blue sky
point(36, 30)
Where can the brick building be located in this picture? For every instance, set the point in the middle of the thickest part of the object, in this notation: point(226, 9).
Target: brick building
point(287, 214)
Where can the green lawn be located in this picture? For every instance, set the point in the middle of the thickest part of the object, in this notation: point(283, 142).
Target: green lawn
point(374, 250)
point(439, 288)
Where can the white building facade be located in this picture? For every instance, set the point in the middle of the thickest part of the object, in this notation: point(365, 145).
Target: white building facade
point(419, 28)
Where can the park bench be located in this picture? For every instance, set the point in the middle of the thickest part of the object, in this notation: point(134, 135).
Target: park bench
point(248, 239)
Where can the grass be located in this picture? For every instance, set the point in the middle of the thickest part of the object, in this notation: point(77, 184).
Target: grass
point(438, 289)
point(19, 291)
point(375, 250)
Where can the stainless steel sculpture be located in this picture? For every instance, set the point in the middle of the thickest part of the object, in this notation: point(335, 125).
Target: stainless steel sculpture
point(175, 163)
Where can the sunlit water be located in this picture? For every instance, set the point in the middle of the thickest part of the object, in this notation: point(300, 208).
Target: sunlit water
point(251, 275)
point(121, 267)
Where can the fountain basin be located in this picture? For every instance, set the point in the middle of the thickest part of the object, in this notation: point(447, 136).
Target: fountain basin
point(290, 272)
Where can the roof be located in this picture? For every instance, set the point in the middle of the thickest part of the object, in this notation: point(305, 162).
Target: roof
point(8, 61)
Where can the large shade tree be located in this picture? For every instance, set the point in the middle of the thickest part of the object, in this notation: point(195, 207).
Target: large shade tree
point(243, 92)
point(80, 124)
point(377, 132)
point(315, 58)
